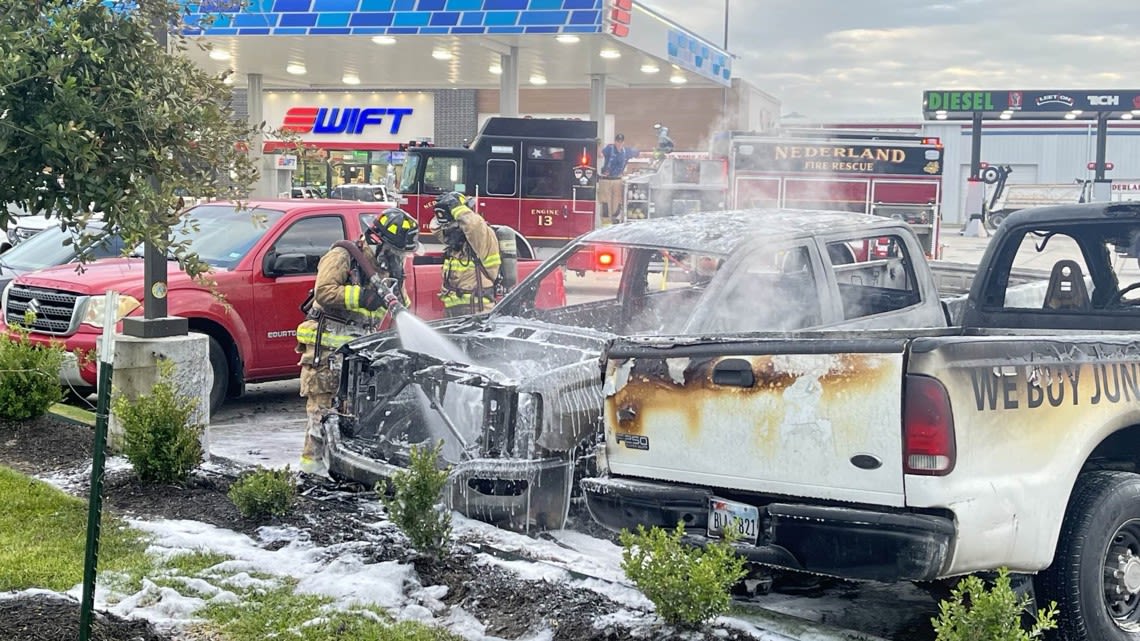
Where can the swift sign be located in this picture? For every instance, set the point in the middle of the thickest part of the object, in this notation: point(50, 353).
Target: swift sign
point(342, 120)
point(350, 119)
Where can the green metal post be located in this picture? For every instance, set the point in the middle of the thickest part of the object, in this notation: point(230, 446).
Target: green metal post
point(98, 464)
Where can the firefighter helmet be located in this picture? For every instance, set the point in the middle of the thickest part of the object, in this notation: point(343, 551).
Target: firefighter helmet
point(394, 229)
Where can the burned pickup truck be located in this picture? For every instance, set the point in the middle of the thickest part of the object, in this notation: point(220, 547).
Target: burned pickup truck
point(1009, 436)
point(517, 395)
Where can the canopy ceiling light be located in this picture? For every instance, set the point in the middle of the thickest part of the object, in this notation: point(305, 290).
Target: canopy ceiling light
point(678, 79)
point(537, 79)
point(350, 79)
point(296, 68)
point(219, 54)
point(610, 54)
point(495, 69)
point(567, 38)
point(650, 68)
point(441, 54)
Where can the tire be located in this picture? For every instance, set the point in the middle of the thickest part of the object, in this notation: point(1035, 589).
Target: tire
point(1100, 535)
point(220, 365)
point(994, 220)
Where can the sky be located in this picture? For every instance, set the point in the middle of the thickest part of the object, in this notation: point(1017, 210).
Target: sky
point(871, 59)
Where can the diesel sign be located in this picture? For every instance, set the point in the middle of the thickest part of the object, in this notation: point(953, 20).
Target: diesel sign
point(1103, 101)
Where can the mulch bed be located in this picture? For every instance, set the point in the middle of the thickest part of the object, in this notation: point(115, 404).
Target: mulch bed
point(44, 445)
point(53, 618)
point(327, 513)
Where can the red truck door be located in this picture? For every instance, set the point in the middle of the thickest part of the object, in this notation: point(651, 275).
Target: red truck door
point(278, 293)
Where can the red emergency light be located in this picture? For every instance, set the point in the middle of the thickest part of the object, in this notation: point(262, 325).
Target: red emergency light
point(1107, 166)
point(937, 142)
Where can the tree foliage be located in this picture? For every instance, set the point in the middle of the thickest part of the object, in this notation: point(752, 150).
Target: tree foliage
point(97, 115)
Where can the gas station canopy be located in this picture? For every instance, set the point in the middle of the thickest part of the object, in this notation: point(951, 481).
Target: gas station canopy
point(1031, 104)
point(431, 44)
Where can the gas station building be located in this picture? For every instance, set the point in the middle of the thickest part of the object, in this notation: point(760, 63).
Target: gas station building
point(434, 70)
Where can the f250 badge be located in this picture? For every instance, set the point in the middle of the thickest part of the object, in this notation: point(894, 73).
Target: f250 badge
point(633, 441)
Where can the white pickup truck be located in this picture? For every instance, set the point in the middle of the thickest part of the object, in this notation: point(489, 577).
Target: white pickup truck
point(1010, 437)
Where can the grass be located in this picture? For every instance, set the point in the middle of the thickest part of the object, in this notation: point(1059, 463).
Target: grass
point(43, 535)
point(283, 614)
point(73, 414)
point(42, 539)
point(196, 562)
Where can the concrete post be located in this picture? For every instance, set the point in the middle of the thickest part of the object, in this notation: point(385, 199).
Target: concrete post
point(975, 188)
point(509, 83)
point(598, 115)
point(598, 104)
point(267, 178)
point(137, 370)
point(1102, 187)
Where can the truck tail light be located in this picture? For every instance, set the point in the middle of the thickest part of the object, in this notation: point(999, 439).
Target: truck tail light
point(928, 428)
point(605, 259)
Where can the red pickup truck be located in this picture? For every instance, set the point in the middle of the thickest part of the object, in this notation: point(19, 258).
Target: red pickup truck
point(253, 253)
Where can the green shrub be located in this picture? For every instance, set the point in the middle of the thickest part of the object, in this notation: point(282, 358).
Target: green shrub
point(29, 374)
point(689, 585)
point(158, 437)
point(414, 505)
point(264, 493)
point(975, 613)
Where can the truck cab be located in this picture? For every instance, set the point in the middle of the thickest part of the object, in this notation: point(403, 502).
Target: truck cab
point(534, 175)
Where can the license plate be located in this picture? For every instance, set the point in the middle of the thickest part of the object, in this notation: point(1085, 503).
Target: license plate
point(744, 519)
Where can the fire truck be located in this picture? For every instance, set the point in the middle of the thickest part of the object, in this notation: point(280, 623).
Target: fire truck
point(537, 176)
point(890, 175)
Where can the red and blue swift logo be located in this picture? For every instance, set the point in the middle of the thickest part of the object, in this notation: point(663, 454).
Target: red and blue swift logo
point(342, 120)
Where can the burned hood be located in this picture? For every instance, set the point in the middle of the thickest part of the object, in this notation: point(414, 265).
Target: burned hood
point(481, 332)
point(549, 376)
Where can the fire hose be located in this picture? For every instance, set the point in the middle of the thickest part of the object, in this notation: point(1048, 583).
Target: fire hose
point(391, 300)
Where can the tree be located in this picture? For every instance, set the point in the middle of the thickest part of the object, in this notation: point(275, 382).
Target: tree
point(97, 115)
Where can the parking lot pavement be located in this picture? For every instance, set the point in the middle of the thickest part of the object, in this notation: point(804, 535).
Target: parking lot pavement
point(264, 427)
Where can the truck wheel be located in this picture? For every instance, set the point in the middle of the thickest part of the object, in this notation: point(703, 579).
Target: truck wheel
point(1095, 575)
point(221, 368)
point(994, 220)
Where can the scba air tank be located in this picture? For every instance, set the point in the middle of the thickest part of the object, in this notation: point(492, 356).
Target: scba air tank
point(508, 252)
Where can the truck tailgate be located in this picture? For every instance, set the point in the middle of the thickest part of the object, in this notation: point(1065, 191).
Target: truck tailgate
point(806, 418)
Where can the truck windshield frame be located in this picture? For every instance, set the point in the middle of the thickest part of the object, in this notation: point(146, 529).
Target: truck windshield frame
point(225, 234)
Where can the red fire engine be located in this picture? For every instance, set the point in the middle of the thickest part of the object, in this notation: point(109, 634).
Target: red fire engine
point(890, 175)
point(885, 174)
point(534, 175)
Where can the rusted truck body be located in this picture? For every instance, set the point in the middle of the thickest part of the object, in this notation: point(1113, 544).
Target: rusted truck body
point(1009, 438)
point(519, 407)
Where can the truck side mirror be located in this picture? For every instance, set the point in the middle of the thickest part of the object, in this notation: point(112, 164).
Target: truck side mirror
point(275, 264)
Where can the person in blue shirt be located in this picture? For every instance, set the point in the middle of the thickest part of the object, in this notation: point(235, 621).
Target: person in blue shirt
point(616, 156)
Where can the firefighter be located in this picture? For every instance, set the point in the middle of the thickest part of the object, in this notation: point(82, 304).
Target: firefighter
point(471, 259)
point(343, 306)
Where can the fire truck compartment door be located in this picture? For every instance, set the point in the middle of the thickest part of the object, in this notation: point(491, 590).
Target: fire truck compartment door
point(584, 198)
